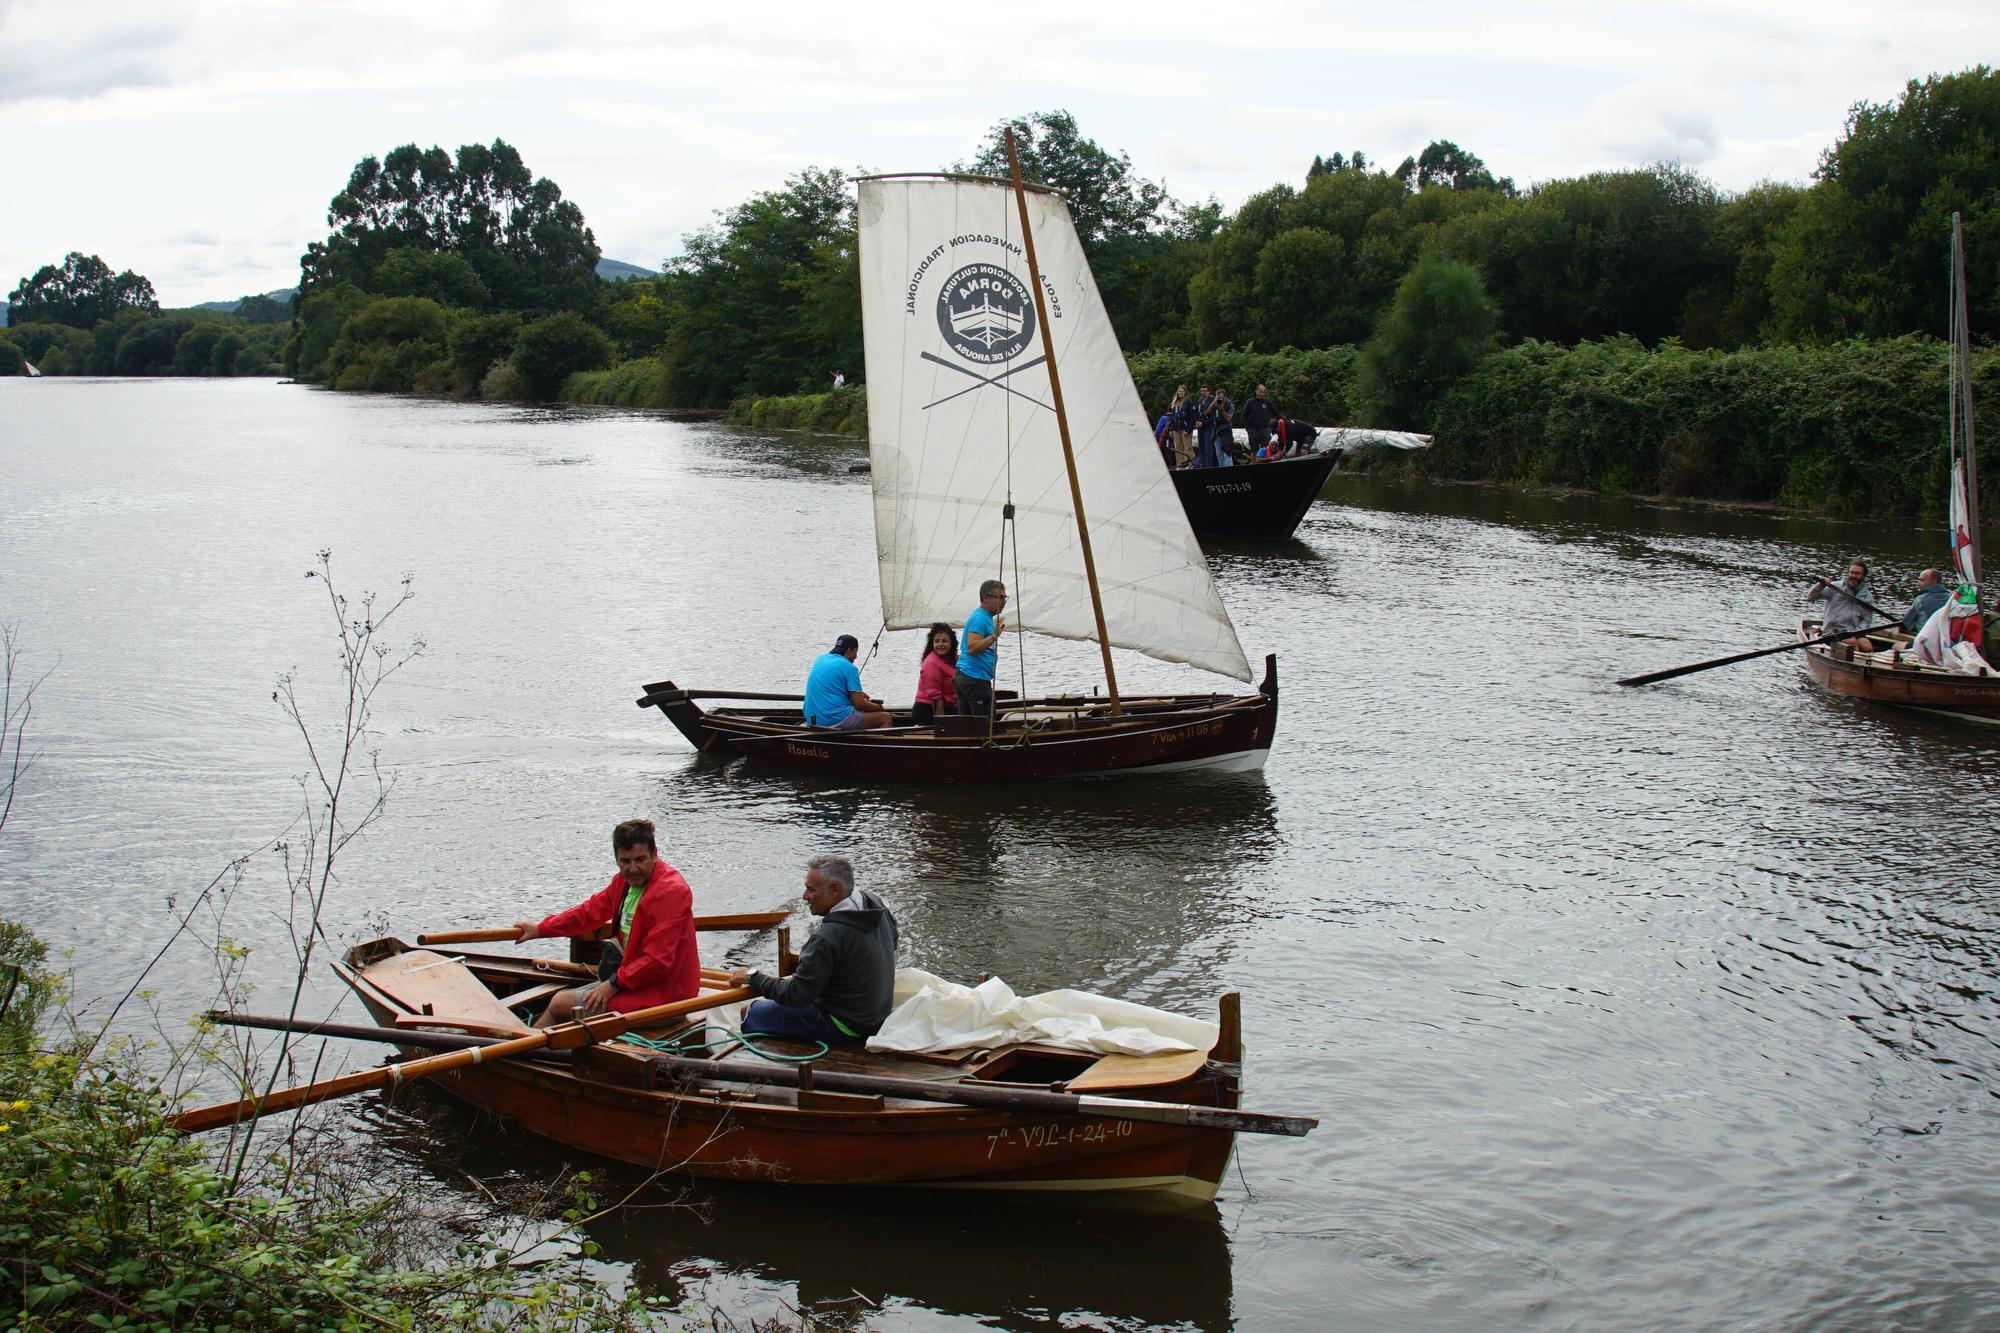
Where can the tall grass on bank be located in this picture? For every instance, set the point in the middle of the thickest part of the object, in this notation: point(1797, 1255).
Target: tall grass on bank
point(834, 412)
point(641, 382)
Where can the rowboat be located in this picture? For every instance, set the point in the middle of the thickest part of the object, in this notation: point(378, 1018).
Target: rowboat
point(1889, 668)
point(846, 1118)
point(1895, 674)
point(1007, 447)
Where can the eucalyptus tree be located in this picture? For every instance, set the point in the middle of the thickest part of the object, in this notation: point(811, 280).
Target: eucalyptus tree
point(82, 292)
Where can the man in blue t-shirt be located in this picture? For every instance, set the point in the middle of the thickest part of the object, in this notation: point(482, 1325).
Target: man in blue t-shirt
point(979, 651)
point(833, 691)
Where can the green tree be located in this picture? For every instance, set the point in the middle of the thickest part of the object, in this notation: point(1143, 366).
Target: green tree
point(1439, 326)
point(551, 350)
point(528, 245)
point(12, 362)
point(1447, 166)
point(82, 293)
point(440, 276)
point(1296, 271)
point(385, 345)
point(768, 299)
point(266, 310)
point(321, 314)
point(1864, 251)
point(194, 353)
point(147, 348)
point(54, 349)
point(476, 343)
point(1106, 199)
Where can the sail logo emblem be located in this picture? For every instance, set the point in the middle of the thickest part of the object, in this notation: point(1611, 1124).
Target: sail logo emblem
point(986, 314)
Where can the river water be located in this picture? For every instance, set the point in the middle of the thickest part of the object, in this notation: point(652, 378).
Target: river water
point(1659, 1008)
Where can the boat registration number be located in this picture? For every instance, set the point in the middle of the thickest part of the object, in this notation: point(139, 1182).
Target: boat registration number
point(1186, 733)
point(1226, 487)
point(1030, 1138)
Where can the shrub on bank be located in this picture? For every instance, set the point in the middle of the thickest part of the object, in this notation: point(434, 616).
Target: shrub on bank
point(835, 412)
point(1310, 385)
point(640, 382)
point(1853, 427)
point(550, 350)
point(112, 1220)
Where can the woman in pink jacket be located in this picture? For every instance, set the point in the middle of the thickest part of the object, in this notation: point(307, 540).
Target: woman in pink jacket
point(935, 692)
point(651, 911)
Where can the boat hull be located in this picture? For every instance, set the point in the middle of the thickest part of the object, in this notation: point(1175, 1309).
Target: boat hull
point(1976, 697)
point(621, 1102)
point(1266, 501)
point(1034, 740)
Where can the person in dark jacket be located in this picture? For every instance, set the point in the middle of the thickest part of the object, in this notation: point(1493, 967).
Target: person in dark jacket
point(1931, 594)
point(1259, 416)
point(845, 981)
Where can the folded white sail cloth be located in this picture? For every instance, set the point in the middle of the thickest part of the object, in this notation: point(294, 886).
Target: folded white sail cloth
point(932, 1014)
point(1353, 437)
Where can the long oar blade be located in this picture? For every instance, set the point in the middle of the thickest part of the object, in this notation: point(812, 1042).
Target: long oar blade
point(1656, 676)
point(563, 1036)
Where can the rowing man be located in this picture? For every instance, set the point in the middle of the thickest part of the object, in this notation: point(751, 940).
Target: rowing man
point(651, 911)
point(1846, 601)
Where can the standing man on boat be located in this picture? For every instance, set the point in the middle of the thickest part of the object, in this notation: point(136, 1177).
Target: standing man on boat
point(1259, 416)
point(1845, 609)
point(833, 691)
point(845, 981)
point(1931, 594)
point(651, 911)
point(979, 656)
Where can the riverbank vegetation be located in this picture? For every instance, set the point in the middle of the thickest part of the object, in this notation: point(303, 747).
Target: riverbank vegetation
point(466, 275)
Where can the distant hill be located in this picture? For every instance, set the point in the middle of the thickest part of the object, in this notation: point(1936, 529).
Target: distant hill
point(617, 270)
point(283, 295)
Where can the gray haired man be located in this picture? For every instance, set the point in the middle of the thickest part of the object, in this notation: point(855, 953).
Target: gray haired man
point(845, 981)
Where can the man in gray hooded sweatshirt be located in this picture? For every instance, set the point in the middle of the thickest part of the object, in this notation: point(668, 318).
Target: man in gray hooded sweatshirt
point(843, 985)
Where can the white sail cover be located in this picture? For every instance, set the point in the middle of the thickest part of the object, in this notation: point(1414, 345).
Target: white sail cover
point(961, 417)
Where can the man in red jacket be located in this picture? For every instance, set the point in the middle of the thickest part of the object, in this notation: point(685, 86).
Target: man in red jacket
point(651, 910)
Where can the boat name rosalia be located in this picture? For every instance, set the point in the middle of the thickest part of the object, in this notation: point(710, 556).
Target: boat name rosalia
point(1030, 1137)
point(1186, 733)
point(807, 751)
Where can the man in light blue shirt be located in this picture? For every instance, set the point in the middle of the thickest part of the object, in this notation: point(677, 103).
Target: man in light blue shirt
point(833, 691)
point(979, 651)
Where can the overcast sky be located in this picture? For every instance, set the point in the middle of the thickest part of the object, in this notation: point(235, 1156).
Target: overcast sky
point(198, 142)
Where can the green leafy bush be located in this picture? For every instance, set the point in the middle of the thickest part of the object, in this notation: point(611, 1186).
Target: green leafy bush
point(551, 350)
point(1310, 385)
point(641, 382)
point(841, 411)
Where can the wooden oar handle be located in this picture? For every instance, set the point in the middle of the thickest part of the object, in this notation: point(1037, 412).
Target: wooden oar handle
point(733, 921)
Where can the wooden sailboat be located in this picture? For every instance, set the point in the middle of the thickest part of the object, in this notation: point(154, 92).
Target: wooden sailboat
point(981, 468)
point(1891, 669)
point(984, 1120)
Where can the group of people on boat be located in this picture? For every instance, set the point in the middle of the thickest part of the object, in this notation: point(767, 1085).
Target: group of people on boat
point(839, 991)
point(951, 678)
point(1198, 431)
point(1850, 611)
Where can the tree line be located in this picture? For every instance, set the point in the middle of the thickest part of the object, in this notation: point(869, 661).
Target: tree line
point(468, 275)
point(80, 318)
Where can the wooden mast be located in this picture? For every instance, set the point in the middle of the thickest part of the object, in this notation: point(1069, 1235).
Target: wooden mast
point(1062, 424)
point(1961, 390)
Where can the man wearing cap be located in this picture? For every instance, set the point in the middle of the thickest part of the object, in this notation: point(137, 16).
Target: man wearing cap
point(833, 691)
point(650, 908)
point(845, 981)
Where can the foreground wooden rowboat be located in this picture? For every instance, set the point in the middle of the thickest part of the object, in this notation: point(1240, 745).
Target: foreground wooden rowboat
point(1030, 739)
point(624, 1102)
point(1908, 683)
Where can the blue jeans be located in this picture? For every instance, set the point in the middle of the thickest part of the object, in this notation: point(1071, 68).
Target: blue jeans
point(803, 1023)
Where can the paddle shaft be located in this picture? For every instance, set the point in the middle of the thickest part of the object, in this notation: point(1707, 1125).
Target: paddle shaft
point(564, 1036)
point(962, 1093)
point(1251, 1122)
point(1760, 652)
point(507, 934)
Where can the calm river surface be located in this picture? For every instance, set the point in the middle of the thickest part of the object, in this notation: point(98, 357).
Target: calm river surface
point(1667, 1008)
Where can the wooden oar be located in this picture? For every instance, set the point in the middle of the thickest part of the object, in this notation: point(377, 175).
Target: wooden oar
point(1652, 677)
point(960, 1093)
point(963, 1093)
point(505, 934)
point(562, 1037)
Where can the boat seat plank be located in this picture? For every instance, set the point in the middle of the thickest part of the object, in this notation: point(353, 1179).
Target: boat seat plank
point(1139, 1071)
point(439, 988)
point(535, 994)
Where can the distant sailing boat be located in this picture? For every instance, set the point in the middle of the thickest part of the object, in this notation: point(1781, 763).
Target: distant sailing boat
point(1007, 440)
point(1930, 670)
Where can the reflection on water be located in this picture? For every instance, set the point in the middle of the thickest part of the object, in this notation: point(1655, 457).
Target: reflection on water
point(1670, 1007)
point(1022, 1263)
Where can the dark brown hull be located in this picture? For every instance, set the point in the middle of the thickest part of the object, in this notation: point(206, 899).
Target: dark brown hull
point(614, 1101)
point(1034, 740)
point(1906, 687)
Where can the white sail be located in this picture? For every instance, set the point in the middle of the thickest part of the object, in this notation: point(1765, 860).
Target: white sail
point(961, 419)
